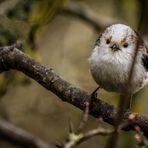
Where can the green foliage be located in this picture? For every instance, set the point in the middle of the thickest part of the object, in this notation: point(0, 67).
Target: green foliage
point(21, 20)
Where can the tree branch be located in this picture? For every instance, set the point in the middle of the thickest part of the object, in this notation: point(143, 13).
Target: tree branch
point(12, 58)
point(87, 15)
point(18, 136)
point(77, 137)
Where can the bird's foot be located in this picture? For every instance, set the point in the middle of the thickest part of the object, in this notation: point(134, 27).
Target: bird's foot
point(92, 96)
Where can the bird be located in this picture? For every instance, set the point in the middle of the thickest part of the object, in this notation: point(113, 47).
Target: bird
point(118, 50)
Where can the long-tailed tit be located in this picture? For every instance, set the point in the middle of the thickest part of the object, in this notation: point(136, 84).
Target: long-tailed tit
point(112, 57)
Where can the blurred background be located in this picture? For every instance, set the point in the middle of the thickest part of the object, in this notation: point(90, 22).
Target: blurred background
point(61, 34)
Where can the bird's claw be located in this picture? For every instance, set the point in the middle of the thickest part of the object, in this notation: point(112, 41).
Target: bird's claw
point(92, 96)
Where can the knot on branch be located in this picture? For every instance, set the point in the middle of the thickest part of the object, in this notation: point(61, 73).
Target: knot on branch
point(18, 45)
point(4, 52)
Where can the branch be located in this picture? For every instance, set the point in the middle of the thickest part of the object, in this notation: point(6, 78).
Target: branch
point(18, 136)
point(87, 15)
point(77, 137)
point(140, 138)
point(12, 58)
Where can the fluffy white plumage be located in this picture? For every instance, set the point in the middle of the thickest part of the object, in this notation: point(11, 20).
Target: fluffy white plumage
point(112, 57)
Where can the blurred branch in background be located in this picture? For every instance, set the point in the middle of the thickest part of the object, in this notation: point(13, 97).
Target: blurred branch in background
point(20, 137)
point(85, 13)
point(118, 9)
point(142, 17)
point(140, 137)
point(32, 15)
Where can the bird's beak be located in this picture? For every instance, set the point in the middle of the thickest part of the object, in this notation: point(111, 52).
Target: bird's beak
point(115, 47)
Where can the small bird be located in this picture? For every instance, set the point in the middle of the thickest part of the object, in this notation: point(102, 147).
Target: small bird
point(112, 57)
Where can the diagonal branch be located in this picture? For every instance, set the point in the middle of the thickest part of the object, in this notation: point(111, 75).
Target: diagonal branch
point(87, 15)
point(12, 58)
point(20, 137)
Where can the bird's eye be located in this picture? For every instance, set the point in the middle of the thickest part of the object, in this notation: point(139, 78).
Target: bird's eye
point(107, 41)
point(125, 45)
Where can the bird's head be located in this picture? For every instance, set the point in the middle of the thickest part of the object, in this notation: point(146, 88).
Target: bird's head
point(117, 39)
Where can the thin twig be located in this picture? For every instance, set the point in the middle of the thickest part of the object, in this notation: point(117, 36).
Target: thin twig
point(70, 125)
point(83, 137)
point(142, 138)
point(84, 119)
point(77, 137)
point(142, 11)
point(95, 132)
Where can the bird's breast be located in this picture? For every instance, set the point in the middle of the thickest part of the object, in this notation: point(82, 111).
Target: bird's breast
point(109, 71)
point(112, 73)
point(110, 76)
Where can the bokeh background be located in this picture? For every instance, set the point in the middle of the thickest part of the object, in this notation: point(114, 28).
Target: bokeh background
point(58, 39)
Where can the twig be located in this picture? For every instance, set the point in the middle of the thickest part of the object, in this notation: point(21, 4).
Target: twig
point(141, 139)
point(84, 119)
point(70, 125)
point(142, 11)
point(78, 137)
point(95, 132)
